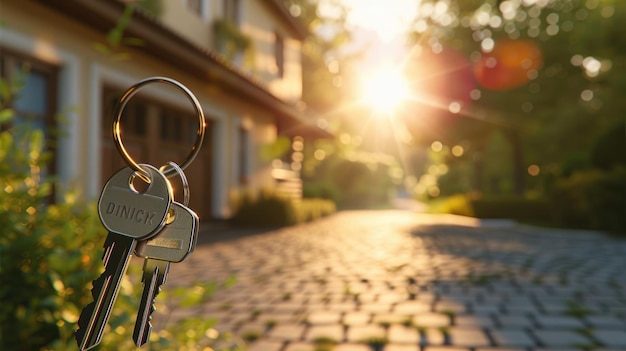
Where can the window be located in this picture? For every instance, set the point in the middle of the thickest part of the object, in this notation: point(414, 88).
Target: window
point(196, 6)
point(35, 102)
point(231, 10)
point(176, 129)
point(133, 121)
point(279, 54)
point(243, 155)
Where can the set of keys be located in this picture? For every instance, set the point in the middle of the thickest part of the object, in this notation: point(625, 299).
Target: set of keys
point(137, 207)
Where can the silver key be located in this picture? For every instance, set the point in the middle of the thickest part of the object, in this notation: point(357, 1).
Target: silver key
point(173, 244)
point(128, 215)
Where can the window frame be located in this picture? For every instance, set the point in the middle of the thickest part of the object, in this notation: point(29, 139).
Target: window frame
point(10, 63)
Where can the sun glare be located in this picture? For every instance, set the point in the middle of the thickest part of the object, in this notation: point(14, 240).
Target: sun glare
point(385, 90)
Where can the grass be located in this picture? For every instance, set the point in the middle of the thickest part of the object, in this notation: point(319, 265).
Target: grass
point(251, 336)
point(575, 309)
point(269, 324)
point(376, 342)
point(324, 343)
point(482, 279)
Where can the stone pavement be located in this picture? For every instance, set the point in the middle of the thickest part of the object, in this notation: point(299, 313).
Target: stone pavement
point(395, 280)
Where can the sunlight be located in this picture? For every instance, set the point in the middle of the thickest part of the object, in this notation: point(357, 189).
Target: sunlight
point(385, 91)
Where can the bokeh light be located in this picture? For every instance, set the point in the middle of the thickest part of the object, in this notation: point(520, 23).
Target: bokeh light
point(511, 63)
point(436, 146)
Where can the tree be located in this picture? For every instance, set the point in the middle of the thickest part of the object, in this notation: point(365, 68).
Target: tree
point(549, 106)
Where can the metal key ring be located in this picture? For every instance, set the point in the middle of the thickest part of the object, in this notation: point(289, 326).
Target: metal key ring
point(183, 178)
point(117, 130)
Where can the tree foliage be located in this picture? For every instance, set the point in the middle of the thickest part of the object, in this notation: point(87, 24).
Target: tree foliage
point(573, 96)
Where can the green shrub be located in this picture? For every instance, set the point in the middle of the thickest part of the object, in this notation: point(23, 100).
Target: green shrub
point(266, 208)
point(608, 150)
point(351, 184)
point(593, 199)
point(269, 208)
point(520, 209)
point(517, 208)
point(312, 209)
point(322, 190)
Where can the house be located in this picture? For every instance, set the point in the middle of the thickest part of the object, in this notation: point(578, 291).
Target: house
point(240, 58)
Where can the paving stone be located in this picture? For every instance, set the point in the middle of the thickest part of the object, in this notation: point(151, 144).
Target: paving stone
point(450, 306)
point(251, 328)
point(401, 347)
point(364, 332)
point(300, 346)
point(390, 318)
point(332, 332)
point(352, 347)
point(485, 308)
point(291, 332)
point(356, 318)
point(300, 271)
point(434, 337)
point(431, 320)
point(514, 321)
point(475, 321)
point(513, 337)
point(560, 338)
point(323, 317)
point(559, 322)
point(521, 308)
point(403, 335)
point(611, 338)
point(342, 307)
point(265, 345)
point(412, 307)
point(275, 318)
point(608, 322)
point(468, 337)
point(375, 307)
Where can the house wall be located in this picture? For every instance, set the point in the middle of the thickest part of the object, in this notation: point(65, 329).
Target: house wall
point(260, 23)
point(262, 26)
point(196, 28)
point(38, 32)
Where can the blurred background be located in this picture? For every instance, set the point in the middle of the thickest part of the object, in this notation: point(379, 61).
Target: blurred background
point(487, 108)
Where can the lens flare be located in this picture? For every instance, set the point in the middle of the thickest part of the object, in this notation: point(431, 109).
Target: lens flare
point(511, 64)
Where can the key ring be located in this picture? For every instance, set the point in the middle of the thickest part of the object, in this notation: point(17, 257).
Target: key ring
point(183, 179)
point(117, 130)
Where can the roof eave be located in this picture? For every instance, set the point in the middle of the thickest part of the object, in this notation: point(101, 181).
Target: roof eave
point(169, 47)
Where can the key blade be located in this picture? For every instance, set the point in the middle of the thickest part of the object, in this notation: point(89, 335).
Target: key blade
point(154, 275)
point(93, 318)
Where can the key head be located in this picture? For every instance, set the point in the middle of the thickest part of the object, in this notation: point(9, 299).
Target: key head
point(176, 240)
point(136, 214)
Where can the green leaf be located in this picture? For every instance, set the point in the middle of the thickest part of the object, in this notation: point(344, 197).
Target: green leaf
point(6, 115)
point(130, 41)
point(232, 280)
point(102, 48)
point(276, 149)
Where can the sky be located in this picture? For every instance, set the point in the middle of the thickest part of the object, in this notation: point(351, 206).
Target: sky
point(380, 26)
point(389, 19)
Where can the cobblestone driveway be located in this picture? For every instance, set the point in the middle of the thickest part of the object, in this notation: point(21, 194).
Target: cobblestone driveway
point(411, 281)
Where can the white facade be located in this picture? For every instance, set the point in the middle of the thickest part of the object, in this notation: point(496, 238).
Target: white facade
point(246, 118)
